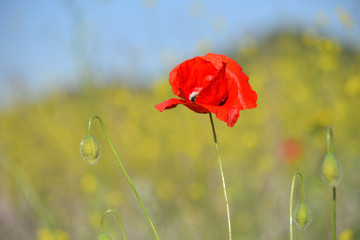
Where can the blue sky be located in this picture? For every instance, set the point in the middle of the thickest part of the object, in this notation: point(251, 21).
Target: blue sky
point(50, 43)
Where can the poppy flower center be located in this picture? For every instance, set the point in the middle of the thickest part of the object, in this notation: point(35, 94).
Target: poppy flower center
point(223, 101)
point(194, 95)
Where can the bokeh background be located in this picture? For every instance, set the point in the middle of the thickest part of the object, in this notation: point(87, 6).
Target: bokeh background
point(63, 61)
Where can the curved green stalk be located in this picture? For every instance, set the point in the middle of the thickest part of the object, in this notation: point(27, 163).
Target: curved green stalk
point(291, 199)
point(118, 220)
point(222, 176)
point(124, 171)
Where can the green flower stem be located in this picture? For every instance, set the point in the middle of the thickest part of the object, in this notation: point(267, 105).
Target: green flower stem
point(117, 218)
point(334, 213)
point(330, 151)
point(222, 176)
point(330, 141)
point(123, 169)
point(291, 199)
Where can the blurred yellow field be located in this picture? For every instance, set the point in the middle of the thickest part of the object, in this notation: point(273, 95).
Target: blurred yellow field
point(304, 82)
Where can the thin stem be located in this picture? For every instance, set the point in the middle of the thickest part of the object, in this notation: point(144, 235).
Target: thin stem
point(222, 176)
point(330, 141)
point(330, 150)
point(334, 213)
point(117, 218)
point(213, 128)
point(291, 199)
point(124, 171)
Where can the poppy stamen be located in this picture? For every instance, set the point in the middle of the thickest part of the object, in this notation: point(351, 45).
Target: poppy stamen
point(193, 96)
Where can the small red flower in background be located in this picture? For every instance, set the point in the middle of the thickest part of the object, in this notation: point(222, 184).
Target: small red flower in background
point(290, 150)
point(211, 83)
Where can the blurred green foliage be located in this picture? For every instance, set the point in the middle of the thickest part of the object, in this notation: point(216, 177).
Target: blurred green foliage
point(304, 83)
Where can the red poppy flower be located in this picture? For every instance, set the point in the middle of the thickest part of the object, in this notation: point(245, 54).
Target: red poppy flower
point(290, 150)
point(212, 83)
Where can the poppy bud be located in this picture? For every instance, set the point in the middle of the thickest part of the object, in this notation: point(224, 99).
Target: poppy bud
point(330, 169)
point(302, 216)
point(104, 236)
point(90, 150)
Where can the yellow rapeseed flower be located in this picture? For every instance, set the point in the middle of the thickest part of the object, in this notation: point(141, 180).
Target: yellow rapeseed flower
point(89, 183)
point(347, 234)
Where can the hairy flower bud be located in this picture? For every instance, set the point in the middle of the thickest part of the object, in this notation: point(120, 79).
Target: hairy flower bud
point(104, 236)
point(302, 216)
point(331, 170)
point(90, 150)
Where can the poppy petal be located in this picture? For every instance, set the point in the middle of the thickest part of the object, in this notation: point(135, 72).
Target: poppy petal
point(168, 104)
point(240, 91)
point(173, 102)
point(227, 114)
point(244, 96)
point(197, 73)
point(215, 93)
point(197, 107)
